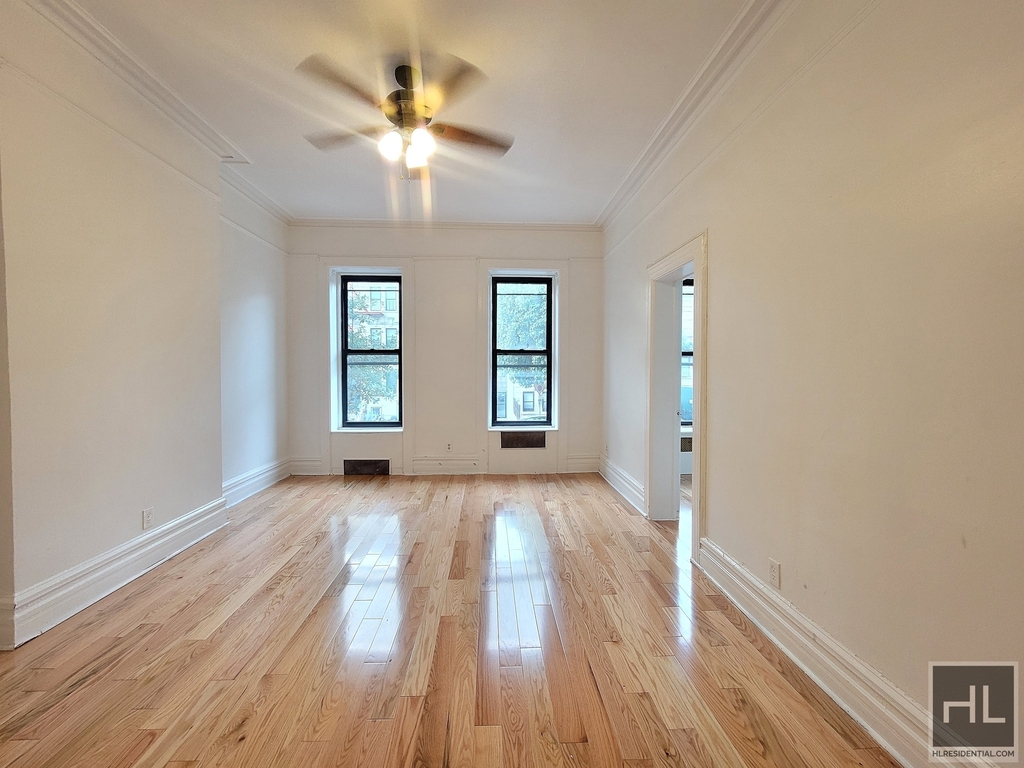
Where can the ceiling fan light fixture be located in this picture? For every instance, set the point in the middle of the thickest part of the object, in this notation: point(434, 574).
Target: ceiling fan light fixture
point(391, 145)
point(423, 142)
point(415, 157)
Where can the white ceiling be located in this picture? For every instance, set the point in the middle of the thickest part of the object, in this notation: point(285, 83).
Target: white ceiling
point(582, 84)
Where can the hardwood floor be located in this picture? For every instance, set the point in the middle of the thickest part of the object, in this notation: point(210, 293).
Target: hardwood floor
point(435, 621)
point(685, 494)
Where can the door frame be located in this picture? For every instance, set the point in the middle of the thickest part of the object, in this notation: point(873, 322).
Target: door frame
point(663, 334)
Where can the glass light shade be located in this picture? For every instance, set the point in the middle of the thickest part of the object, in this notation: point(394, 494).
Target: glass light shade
point(415, 157)
point(391, 145)
point(423, 142)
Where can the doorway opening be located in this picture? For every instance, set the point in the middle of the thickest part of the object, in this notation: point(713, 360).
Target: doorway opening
point(686, 403)
point(676, 412)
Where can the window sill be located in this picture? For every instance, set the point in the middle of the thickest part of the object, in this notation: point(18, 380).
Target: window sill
point(685, 431)
point(521, 428)
point(365, 430)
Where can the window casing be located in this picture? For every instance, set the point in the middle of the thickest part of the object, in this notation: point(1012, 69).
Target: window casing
point(370, 358)
point(522, 320)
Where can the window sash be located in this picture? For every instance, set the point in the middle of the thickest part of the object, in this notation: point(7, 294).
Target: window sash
point(347, 353)
point(686, 355)
point(687, 352)
point(497, 352)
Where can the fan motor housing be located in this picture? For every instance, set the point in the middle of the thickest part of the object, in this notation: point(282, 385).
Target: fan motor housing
point(400, 108)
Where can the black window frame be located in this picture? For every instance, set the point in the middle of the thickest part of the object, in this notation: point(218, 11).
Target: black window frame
point(547, 353)
point(345, 352)
point(683, 423)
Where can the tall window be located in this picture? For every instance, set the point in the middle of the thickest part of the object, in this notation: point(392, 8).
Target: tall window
point(371, 351)
point(521, 336)
point(686, 378)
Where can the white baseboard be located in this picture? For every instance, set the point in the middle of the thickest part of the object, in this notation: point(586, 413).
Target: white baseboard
point(310, 466)
point(245, 485)
point(46, 604)
point(621, 481)
point(446, 465)
point(583, 462)
point(6, 623)
point(898, 722)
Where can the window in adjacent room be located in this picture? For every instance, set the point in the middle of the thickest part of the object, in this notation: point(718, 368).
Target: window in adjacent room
point(686, 377)
point(521, 349)
point(371, 351)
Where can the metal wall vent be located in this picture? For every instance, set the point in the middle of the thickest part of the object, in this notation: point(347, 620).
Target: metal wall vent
point(523, 439)
point(367, 466)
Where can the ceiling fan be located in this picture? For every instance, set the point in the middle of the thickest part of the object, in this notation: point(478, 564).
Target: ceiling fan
point(412, 135)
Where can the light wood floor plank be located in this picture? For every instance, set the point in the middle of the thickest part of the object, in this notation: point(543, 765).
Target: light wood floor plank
point(455, 622)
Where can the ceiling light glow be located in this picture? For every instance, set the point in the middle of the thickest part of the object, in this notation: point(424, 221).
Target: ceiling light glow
point(415, 157)
point(423, 142)
point(391, 145)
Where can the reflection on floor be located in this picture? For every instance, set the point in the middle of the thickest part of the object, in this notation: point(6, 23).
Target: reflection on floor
point(685, 501)
point(488, 621)
point(685, 491)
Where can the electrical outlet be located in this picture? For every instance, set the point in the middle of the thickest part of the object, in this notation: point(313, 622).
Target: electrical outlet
point(147, 518)
point(774, 573)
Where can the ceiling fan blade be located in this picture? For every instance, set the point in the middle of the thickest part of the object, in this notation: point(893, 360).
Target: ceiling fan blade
point(321, 68)
point(464, 78)
point(493, 142)
point(329, 140)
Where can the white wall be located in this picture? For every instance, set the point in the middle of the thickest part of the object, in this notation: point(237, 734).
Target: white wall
point(111, 239)
point(254, 406)
point(6, 486)
point(445, 280)
point(861, 184)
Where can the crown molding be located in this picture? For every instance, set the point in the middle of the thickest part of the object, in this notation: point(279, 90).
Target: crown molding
point(740, 40)
point(97, 40)
point(247, 189)
point(465, 225)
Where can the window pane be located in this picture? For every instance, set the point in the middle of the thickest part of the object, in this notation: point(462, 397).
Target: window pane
point(372, 388)
point(392, 339)
point(522, 310)
point(686, 391)
point(522, 381)
point(367, 315)
point(687, 318)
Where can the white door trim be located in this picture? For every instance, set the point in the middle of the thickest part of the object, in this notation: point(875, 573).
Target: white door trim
point(688, 260)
